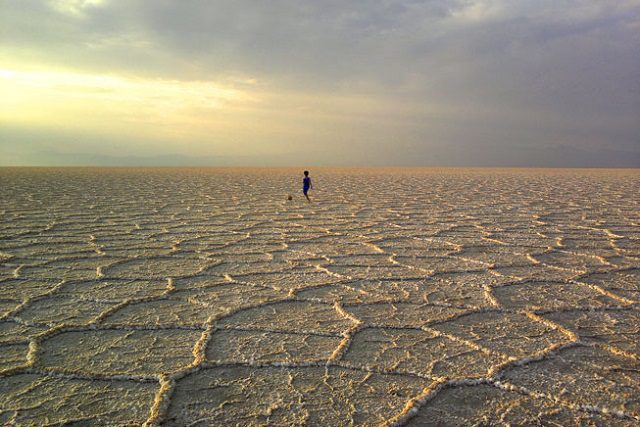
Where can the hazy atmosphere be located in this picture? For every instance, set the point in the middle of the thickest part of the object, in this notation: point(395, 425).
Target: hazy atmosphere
point(433, 83)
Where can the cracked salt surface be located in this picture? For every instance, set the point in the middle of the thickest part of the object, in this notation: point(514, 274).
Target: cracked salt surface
point(418, 297)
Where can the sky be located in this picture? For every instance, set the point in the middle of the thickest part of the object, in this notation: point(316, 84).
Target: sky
point(541, 83)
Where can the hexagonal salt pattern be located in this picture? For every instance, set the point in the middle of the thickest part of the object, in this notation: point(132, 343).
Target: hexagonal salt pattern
point(421, 297)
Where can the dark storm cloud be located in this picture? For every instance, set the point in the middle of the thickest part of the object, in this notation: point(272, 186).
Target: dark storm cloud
point(504, 77)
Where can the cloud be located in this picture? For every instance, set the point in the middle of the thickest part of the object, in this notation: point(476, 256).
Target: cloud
point(410, 76)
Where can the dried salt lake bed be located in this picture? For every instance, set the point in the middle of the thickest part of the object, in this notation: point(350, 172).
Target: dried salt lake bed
point(398, 297)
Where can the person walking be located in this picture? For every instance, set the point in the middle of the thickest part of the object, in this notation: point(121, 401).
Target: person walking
point(306, 185)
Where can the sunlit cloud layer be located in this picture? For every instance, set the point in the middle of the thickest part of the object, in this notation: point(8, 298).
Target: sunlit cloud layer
point(50, 98)
point(433, 82)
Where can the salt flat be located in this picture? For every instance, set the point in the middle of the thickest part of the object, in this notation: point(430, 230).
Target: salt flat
point(410, 297)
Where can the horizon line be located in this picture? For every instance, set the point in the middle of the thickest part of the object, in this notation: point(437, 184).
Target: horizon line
point(161, 166)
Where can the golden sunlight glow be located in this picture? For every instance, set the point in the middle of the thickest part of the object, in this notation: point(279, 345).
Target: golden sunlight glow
point(75, 99)
point(75, 7)
point(239, 116)
point(109, 103)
